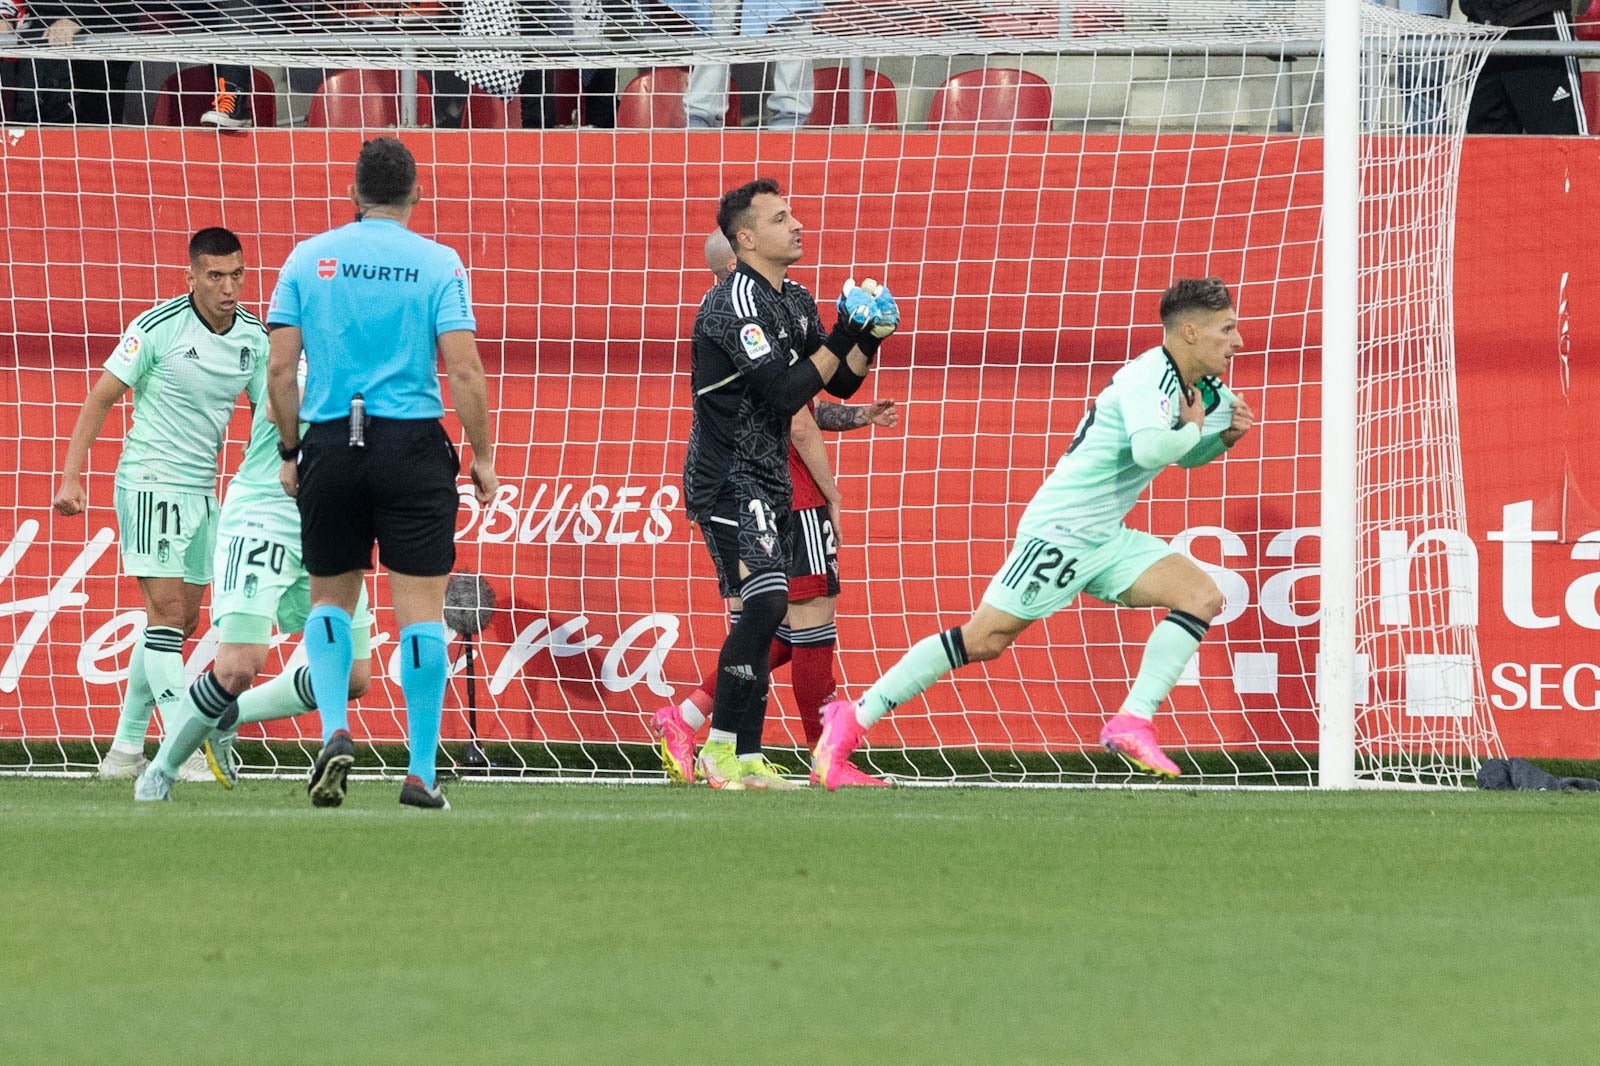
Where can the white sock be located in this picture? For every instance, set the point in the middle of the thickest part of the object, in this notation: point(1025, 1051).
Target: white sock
point(721, 736)
point(691, 714)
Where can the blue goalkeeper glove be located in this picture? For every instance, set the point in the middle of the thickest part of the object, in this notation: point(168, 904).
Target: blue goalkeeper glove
point(868, 308)
point(885, 312)
point(857, 308)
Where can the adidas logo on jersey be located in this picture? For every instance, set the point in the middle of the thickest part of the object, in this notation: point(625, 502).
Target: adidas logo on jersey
point(1561, 94)
point(191, 354)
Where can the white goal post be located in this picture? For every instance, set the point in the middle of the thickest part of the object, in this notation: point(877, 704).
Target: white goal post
point(1027, 176)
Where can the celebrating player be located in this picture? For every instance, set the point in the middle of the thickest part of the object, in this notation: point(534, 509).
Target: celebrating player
point(807, 636)
point(263, 581)
point(373, 306)
point(187, 360)
point(1166, 406)
point(758, 356)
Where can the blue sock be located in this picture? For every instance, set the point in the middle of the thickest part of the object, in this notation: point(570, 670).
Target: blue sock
point(329, 657)
point(424, 672)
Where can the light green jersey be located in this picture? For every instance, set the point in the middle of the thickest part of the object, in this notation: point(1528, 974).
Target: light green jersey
point(1096, 483)
point(185, 380)
point(255, 504)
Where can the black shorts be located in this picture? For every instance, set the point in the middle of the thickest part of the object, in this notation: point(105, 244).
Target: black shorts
point(399, 490)
point(746, 528)
point(1529, 94)
point(814, 568)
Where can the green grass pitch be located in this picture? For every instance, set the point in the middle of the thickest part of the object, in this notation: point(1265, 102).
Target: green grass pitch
point(592, 924)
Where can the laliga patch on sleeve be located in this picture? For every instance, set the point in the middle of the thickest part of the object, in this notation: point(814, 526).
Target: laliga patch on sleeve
point(1165, 407)
point(754, 341)
point(129, 349)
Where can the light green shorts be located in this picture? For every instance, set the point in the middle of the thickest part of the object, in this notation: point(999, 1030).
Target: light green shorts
point(165, 533)
point(262, 582)
point(1039, 578)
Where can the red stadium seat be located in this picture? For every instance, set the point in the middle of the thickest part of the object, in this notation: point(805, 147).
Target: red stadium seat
point(831, 106)
point(485, 112)
point(654, 100)
point(366, 99)
point(563, 101)
point(188, 94)
point(992, 98)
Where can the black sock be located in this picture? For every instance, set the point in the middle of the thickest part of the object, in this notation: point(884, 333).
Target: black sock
point(740, 703)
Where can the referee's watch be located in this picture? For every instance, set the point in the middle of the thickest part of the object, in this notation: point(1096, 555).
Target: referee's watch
point(287, 453)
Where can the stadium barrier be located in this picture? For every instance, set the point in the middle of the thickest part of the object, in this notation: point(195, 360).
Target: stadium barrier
point(607, 609)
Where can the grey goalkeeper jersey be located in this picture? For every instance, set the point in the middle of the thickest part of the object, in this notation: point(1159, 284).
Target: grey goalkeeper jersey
point(747, 337)
point(1096, 483)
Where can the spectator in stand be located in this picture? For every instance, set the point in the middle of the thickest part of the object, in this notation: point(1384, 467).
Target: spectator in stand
point(542, 107)
point(54, 90)
point(545, 106)
point(706, 99)
point(488, 70)
point(11, 14)
point(1527, 94)
point(230, 105)
point(1417, 76)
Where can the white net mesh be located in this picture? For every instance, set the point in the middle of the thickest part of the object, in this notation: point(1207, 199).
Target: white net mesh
point(1027, 177)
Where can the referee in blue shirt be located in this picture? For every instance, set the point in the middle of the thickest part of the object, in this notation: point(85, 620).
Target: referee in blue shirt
point(373, 307)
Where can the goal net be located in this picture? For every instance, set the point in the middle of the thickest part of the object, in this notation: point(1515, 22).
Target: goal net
point(1026, 176)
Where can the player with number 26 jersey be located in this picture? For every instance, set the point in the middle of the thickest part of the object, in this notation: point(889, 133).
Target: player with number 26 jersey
point(1097, 482)
point(1167, 406)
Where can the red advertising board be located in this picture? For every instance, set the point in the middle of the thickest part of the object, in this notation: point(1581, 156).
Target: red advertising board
point(1028, 268)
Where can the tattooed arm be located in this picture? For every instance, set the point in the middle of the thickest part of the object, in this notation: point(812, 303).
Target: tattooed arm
point(840, 417)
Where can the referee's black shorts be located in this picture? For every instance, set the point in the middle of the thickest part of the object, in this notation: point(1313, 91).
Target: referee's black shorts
point(399, 490)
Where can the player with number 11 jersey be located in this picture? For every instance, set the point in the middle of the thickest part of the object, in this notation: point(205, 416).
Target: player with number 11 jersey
point(261, 582)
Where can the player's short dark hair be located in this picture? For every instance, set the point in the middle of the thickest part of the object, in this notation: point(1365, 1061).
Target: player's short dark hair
point(386, 172)
point(213, 240)
point(1193, 294)
point(734, 207)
